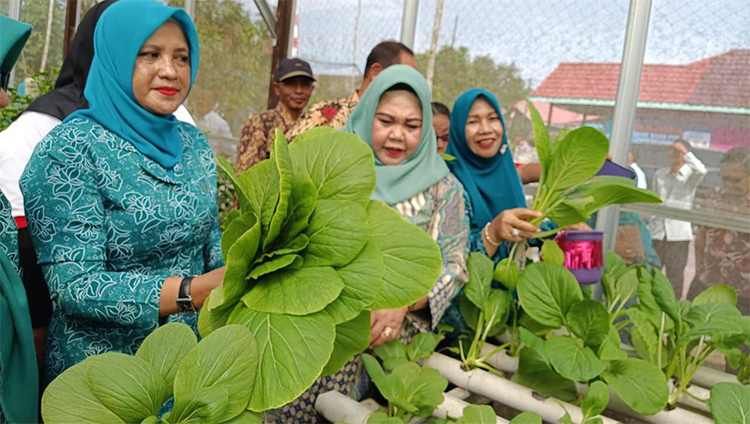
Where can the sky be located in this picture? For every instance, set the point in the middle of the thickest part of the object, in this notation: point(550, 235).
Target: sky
point(536, 35)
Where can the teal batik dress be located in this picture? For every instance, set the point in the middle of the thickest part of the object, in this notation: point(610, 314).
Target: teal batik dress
point(109, 226)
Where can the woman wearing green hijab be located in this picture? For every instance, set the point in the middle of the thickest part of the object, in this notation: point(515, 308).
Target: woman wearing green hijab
point(395, 118)
point(121, 197)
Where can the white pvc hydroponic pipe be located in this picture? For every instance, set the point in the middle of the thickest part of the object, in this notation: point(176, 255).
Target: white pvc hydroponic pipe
point(337, 407)
point(454, 408)
point(505, 391)
point(675, 416)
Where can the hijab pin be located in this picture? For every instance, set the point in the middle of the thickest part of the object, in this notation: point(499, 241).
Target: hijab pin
point(503, 149)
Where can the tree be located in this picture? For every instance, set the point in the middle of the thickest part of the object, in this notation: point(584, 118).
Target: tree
point(456, 72)
point(35, 12)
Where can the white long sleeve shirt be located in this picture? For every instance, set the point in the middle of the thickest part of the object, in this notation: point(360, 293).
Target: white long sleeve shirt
point(17, 143)
point(677, 191)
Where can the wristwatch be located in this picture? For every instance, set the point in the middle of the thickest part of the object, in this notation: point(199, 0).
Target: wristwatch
point(184, 300)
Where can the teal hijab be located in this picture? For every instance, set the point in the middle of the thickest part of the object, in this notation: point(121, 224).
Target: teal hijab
point(422, 169)
point(492, 184)
point(119, 36)
point(13, 36)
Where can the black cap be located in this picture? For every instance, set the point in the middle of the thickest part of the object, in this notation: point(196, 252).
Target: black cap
point(289, 68)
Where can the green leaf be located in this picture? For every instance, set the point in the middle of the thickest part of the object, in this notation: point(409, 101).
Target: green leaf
point(210, 320)
point(166, 347)
point(589, 320)
point(663, 293)
point(571, 211)
point(730, 404)
point(424, 387)
point(231, 216)
point(479, 414)
point(274, 264)
point(596, 420)
point(289, 292)
point(576, 158)
point(571, 360)
point(302, 201)
point(527, 417)
point(71, 389)
point(130, 387)
point(392, 387)
point(541, 137)
point(236, 229)
point(610, 190)
point(337, 232)
point(228, 359)
point(721, 293)
point(421, 346)
point(552, 253)
point(248, 417)
point(363, 279)
point(380, 417)
point(530, 324)
point(261, 185)
point(534, 373)
point(706, 313)
point(596, 399)
point(626, 286)
point(646, 334)
point(610, 349)
point(295, 245)
point(640, 384)
point(238, 264)
point(477, 289)
point(339, 164)
point(352, 338)
point(283, 163)
point(153, 420)
point(412, 258)
point(224, 165)
point(507, 273)
point(392, 354)
point(205, 405)
point(292, 349)
point(615, 265)
point(469, 312)
point(547, 291)
point(496, 311)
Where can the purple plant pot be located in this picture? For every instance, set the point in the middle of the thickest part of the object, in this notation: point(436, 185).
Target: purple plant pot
point(583, 254)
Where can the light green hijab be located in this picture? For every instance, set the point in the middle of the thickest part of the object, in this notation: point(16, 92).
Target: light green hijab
point(421, 170)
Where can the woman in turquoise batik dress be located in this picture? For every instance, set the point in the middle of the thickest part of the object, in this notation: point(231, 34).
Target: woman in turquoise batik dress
point(121, 198)
point(413, 179)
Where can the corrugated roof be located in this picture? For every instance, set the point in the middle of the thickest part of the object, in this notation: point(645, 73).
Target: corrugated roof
point(722, 80)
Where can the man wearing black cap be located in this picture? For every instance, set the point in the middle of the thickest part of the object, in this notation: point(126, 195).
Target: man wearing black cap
point(293, 83)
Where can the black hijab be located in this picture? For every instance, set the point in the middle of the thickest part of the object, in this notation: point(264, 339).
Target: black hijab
point(67, 96)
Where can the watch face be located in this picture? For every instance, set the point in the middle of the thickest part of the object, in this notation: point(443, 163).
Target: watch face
point(185, 306)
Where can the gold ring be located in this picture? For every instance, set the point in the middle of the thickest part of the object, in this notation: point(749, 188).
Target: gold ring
point(387, 331)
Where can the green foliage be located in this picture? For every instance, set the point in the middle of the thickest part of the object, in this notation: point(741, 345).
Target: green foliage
point(411, 390)
point(568, 190)
point(211, 381)
point(547, 291)
point(44, 82)
point(478, 414)
point(526, 418)
point(641, 385)
point(395, 353)
point(308, 256)
point(730, 404)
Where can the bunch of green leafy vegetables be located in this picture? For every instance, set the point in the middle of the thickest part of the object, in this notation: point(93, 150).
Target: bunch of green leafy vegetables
point(211, 381)
point(308, 255)
point(678, 336)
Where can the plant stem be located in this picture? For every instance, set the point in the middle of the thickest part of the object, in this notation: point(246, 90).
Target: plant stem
point(622, 324)
point(661, 332)
point(548, 233)
point(477, 335)
point(494, 351)
point(490, 369)
point(612, 305)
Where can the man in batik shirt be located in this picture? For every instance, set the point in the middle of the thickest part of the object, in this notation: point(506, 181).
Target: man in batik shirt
point(293, 83)
point(334, 113)
point(723, 256)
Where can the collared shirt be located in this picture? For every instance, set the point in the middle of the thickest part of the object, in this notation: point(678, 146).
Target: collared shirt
point(330, 113)
point(258, 134)
point(677, 191)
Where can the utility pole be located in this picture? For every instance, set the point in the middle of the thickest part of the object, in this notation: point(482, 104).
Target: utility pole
point(71, 22)
point(283, 29)
point(354, 52)
point(455, 28)
point(434, 43)
point(409, 23)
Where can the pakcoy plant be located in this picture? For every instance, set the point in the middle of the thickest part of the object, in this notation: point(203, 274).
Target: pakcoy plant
point(678, 336)
point(576, 342)
point(211, 381)
point(307, 257)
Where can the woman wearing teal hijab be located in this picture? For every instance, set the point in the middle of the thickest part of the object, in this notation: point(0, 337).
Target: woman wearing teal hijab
point(121, 198)
point(495, 201)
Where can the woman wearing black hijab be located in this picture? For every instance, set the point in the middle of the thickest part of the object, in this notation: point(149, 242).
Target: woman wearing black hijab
point(18, 141)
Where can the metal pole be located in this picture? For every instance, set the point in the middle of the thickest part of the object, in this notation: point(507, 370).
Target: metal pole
point(625, 104)
point(190, 8)
point(14, 13)
point(409, 23)
point(434, 42)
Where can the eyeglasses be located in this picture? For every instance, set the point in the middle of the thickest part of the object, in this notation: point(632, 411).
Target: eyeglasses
point(4, 80)
point(444, 138)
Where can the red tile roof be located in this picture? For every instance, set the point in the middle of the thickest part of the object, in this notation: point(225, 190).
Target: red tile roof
point(722, 80)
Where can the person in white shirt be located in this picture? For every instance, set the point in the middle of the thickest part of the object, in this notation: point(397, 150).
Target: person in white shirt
point(676, 186)
point(17, 143)
point(640, 176)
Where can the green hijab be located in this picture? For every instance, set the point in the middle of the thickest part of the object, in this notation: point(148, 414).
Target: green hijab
point(421, 170)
